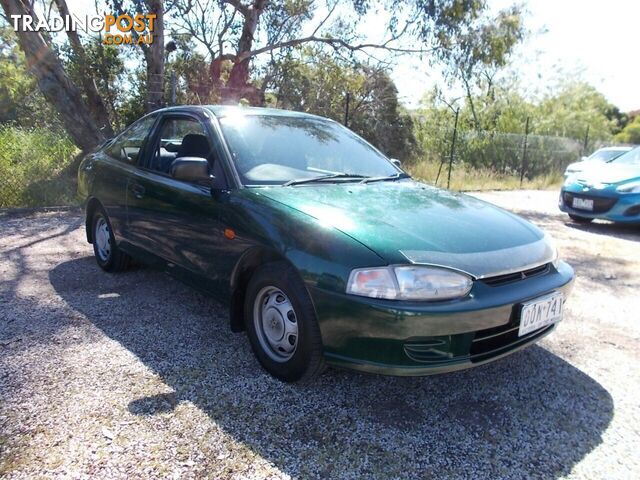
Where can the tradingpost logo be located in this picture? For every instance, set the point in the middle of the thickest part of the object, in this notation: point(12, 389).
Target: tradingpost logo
point(122, 29)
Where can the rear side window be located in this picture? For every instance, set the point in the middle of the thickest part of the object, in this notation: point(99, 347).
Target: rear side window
point(128, 145)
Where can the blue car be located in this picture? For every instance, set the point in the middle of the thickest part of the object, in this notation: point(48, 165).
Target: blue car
point(611, 192)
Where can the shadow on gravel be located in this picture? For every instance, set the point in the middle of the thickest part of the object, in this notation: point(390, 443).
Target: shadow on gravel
point(617, 230)
point(529, 415)
point(554, 222)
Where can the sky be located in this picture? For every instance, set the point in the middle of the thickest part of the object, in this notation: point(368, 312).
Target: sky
point(592, 40)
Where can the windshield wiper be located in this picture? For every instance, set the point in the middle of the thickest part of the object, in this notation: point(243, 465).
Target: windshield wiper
point(395, 176)
point(323, 177)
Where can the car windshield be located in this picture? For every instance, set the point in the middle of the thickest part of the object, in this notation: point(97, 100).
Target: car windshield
point(605, 155)
point(278, 150)
point(630, 158)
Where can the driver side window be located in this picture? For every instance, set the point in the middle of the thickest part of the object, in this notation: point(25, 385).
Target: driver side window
point(180, 137)
point(128, 144)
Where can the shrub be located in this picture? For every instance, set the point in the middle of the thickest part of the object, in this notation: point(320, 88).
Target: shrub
point(32, 167)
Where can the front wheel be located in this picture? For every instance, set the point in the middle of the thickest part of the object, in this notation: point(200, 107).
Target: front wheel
point(109, 257)
point(579, 219)
point(281, 324)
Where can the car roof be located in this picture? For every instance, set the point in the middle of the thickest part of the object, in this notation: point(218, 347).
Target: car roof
point(226, 110)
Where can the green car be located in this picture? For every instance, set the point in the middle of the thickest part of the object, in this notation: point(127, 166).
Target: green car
point(325, 251)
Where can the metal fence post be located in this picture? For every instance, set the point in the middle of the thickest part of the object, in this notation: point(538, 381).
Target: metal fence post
point(453, 146)
point(346, 110)
point(524, 151)
point(172, 98)
point(586, 141)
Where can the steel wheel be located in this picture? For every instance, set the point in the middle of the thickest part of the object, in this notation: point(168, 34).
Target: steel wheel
point(102, 237)
point(275, 323)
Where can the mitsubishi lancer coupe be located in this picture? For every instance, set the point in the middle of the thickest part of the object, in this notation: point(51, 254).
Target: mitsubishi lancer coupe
point(325, 251)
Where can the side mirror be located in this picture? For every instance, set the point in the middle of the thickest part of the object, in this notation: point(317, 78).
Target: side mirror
point(396, 162)
point(583, 158)
point(190, 169)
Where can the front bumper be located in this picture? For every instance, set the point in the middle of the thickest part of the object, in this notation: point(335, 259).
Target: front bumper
point(402, 338)
point(608, 204)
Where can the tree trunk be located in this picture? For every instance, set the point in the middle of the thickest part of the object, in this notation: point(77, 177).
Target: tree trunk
point(154, 56)
point(238, 86)
point(54, 83)
point(472, 106)
point(94, 100)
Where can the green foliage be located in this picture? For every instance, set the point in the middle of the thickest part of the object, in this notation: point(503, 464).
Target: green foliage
point(558, 127)
point(21, 102)
point(194, 81)
point(107, 66)
point(133, 105)
point(630, 133)
point(318, 83)
point(32, 167)
point(571, 108)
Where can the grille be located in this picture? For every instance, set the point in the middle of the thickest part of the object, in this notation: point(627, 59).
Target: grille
point(517, 276)
point(600, 204)
point(500, 338)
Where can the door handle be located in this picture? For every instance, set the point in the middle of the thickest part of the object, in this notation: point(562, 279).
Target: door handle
point(138, 190)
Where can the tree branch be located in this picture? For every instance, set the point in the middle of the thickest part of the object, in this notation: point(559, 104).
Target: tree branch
point(334, 42)
point(238, 5)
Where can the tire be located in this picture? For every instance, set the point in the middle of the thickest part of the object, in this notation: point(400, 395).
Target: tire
point(277, 306)
point(109, 257)
point(579, 219)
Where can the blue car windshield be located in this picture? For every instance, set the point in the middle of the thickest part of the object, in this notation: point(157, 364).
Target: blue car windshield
point(276, 149)
point(630, 158)
point(605, 155)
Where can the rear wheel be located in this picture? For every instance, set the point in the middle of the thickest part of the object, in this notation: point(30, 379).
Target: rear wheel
point(579, 219)
point(109, 257)
point(281, 324)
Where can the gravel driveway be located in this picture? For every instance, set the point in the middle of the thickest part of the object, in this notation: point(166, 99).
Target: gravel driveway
point(135, 375)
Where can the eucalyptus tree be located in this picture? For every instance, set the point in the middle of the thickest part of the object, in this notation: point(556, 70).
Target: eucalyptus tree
point(53, 81)
point(236, 33)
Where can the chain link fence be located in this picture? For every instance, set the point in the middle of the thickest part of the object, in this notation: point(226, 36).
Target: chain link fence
point(458, 157)
point(36, 165)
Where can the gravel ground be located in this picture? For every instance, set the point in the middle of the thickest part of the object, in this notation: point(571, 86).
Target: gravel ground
point(135, 375)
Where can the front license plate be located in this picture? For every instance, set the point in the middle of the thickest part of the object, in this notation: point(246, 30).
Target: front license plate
point(540, 313)
point(582, 203)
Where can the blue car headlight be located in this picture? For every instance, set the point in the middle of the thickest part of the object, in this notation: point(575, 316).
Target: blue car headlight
point(629, 187)
point(409, 282)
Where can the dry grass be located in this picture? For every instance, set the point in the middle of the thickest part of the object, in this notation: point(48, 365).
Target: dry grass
point(464, 178)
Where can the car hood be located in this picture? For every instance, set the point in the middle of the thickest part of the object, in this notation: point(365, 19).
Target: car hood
point(409, 222)
point(608, 173)
point(581, 165)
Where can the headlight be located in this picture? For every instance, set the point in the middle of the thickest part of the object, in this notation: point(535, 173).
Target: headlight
point(631, 187)
point(409, 282)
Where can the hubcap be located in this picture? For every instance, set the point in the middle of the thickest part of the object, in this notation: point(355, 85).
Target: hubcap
point(102, 237)
point(276, 324)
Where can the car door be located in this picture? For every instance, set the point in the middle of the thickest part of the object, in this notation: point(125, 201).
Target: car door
point(111, 167)
point(175, 220)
